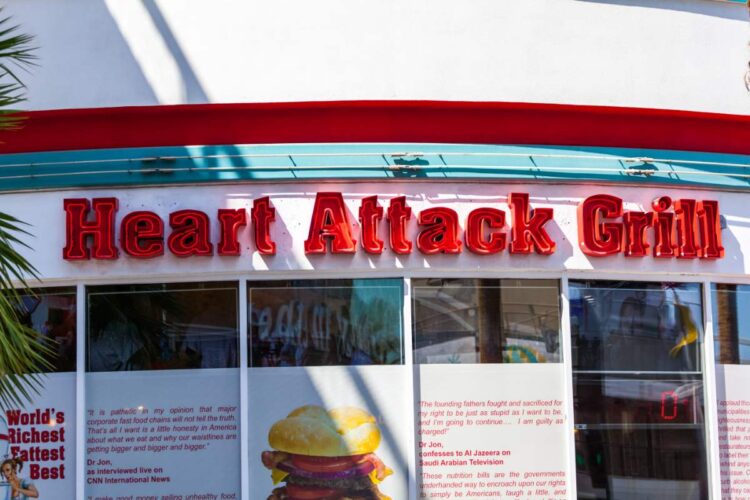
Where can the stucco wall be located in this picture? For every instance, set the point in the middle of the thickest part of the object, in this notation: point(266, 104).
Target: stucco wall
point(679, 54)
point(294, 207)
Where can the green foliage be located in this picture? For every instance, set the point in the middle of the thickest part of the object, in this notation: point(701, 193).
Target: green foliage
point(22, 355)
point(16, 53)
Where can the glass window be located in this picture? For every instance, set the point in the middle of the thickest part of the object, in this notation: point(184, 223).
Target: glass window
point(474, 340)
point(162, 391)
point(486, 321)
point(52, 313)
point(731, 305)
point(325, 322)
point(636, 326)
point(638, 390)
point(42, 433)
point(326, 356)
point(162, 327)
point(731, 317)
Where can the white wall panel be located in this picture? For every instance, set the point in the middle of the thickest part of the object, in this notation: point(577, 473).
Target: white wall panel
point(680, 54)
point(294, 206)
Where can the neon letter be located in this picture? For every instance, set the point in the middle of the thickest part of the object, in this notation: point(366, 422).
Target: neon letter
point(329, 220)
point(190, 233)
point(230, 222)
point(475, 231)
point(441, 235)
point(528, 233)
point(101, 229)
point(263, 214)
point(597, 238)
point(142, 235)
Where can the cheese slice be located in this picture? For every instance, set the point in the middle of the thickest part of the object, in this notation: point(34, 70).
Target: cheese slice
point(278, 475)
point(374, 475)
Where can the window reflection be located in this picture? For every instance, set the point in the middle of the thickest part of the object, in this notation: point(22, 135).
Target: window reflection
point(640, 464)
point(325, 322)
point(638, 390)
point(731, 305)
point(52, 313)
point(486, 321)
point(159, 327)
point(636, 326)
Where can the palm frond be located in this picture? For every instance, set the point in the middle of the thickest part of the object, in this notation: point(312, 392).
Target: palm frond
point(23, 353)
point(16, 49)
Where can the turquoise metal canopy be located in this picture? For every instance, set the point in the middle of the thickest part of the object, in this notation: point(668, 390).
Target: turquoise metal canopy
point(376, 162)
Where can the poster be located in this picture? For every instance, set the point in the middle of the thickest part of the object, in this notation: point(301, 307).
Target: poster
point(480, 431)
point(733, 401)
point(171, 434)
point(328, 409)
point(42, 439)
point(376, 436)
point(38, 441)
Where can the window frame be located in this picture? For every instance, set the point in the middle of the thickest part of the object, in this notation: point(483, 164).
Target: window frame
point(710, 407)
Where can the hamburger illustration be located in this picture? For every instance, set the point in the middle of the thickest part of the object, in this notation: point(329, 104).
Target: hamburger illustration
point(325, 455)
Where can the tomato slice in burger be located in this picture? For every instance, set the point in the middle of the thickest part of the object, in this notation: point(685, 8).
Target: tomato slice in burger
point(311, 493)
point(325, 464)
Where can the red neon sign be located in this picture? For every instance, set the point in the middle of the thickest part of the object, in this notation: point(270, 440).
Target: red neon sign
point(669, 402)
point(685, 229)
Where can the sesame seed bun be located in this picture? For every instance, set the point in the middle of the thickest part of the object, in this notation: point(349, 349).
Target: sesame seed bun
point(313, 431)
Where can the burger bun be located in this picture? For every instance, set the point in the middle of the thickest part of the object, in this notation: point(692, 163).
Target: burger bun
point(311, 430)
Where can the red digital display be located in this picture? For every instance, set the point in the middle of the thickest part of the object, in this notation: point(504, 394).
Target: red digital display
point(672, 407)
point(669, 405)
point(640, 402)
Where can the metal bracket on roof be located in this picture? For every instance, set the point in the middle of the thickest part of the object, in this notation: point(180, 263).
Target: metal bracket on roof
point(408, 168)
point(408, 161)
point(147, 168)
point(406, 155)
point(645, 166)
point(407, 164)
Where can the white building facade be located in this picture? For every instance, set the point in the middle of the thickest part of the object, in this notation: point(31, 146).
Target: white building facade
point(354, 250)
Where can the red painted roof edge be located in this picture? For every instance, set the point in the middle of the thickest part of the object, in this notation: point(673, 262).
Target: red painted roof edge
point(378, 121)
